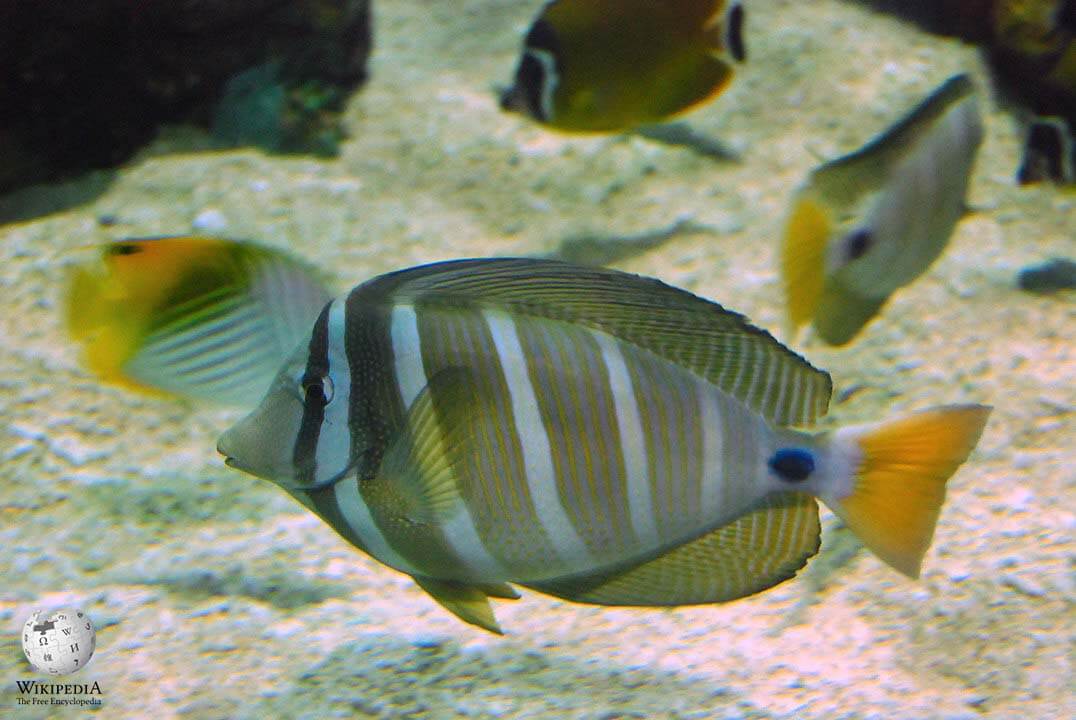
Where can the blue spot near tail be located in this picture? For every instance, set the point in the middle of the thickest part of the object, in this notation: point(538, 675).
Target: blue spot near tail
point(792, 464)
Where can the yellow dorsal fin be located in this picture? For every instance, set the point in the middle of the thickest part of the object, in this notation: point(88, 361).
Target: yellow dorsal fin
point(469, 603)
point(803, 256)
point(899, 482)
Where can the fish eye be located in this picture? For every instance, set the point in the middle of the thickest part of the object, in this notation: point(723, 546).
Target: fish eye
point(858, 243)
point(321, 386)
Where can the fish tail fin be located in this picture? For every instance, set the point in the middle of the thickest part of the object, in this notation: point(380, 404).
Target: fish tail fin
point(898, 471)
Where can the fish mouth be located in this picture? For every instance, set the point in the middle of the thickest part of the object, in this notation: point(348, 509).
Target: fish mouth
point(229, 460)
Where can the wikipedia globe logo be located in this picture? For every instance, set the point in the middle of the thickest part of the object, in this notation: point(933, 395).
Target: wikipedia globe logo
point(58, 642)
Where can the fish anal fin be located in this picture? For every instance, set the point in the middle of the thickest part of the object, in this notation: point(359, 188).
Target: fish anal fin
point(758, 550)
point(470, 603)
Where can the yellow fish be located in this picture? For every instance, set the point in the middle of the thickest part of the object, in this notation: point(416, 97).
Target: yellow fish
point(614, 65)
point(598, 436)
point(195, 316)
point(872, 221)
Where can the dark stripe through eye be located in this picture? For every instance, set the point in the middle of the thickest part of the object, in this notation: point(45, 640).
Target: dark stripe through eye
point(317, 368)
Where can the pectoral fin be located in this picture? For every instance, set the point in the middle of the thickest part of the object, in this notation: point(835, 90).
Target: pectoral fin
point(422, 462)
point(470, 603)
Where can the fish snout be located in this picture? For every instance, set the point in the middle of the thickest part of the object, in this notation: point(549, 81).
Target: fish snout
point(263, 443)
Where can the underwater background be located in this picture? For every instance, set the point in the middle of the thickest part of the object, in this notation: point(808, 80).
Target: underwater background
point(215, 595)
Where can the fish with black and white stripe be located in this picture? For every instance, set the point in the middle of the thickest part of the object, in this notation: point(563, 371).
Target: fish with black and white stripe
point(598, 436)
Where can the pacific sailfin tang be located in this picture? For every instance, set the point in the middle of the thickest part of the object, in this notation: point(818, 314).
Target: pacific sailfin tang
point(870, 222)
point(614, 65)
point(194, 316)
point(591, 434)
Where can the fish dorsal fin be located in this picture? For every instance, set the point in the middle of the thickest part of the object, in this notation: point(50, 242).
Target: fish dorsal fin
point(421, 464)
point(762, 548)
point(863, 171)
point(718, 345)
point(470, 603)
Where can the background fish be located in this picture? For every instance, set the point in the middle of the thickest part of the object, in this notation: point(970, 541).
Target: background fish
point(613, 65)
point(195, 316)
point(869, 222)
point(594, 435)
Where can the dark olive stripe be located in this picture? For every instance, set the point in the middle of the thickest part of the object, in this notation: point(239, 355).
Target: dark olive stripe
point(304, 457)
point(670, 411)
point(375, 409)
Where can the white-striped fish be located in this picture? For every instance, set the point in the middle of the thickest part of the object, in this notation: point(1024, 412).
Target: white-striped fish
point(591, 434)
point(872, 221)
point(196, 316)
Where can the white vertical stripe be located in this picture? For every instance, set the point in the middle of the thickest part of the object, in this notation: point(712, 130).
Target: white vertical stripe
point(632, 441)
point(460, 532)
point(462, 537)
point(333, 452)
point(713, 436)
point(361, 522)
point(534, 439)
point(406, 352)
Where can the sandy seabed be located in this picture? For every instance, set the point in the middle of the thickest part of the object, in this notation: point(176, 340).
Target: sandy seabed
point(215, 595)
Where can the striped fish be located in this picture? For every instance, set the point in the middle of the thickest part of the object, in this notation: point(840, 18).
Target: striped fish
point(594, 435)
point(200, 317)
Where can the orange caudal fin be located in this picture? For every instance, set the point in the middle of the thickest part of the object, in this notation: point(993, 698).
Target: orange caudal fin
point(900, 468)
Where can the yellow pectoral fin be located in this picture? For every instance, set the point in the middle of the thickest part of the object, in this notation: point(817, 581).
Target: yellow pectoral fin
point(899, 484)
point(758, 550)
point(470, 603)
point(803, 255)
